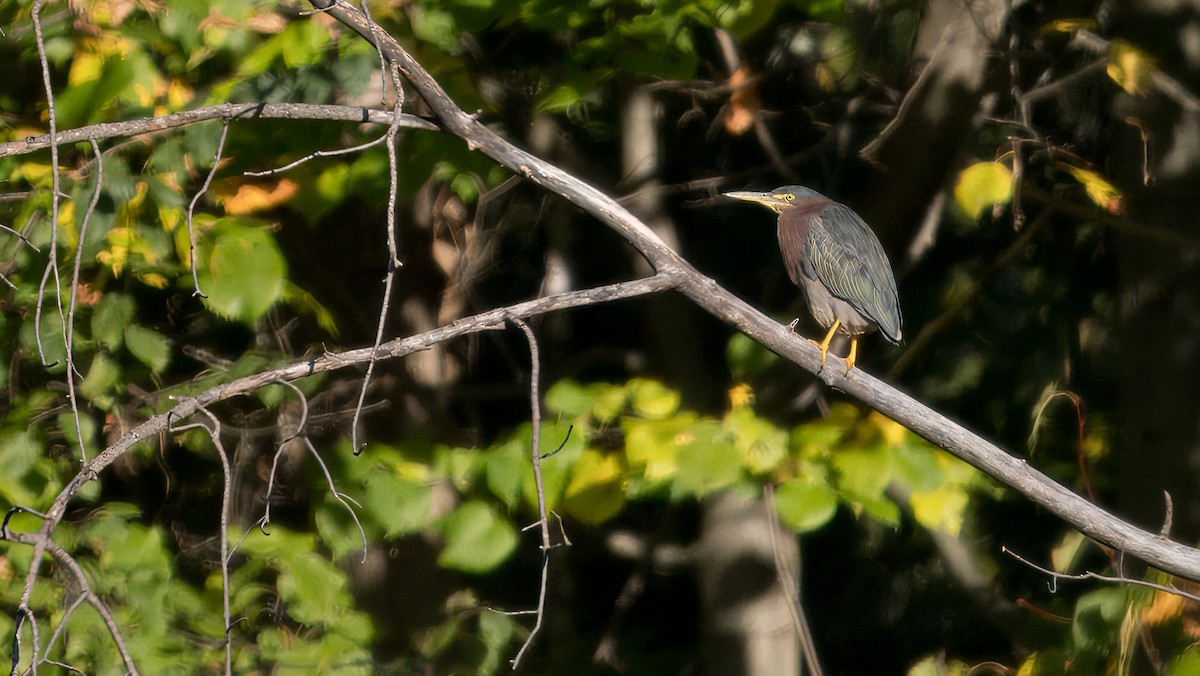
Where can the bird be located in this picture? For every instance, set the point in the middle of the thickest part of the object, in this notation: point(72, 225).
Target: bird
point(838, 263)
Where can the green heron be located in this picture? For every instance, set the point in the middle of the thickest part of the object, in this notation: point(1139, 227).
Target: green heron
point(839, 264)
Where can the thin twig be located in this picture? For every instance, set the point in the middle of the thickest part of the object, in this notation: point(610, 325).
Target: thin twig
point(1117, 579)
point(70, 323)
point(214, 433)
point(535, 454)
point(394, 262)
point(341, 497)
point(56, 183)
point(789, 586)
point(315, 155)
point(216, 163)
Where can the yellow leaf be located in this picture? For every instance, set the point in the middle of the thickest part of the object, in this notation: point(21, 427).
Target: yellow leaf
point(1130, 67)
point(85, 67)
point(153, 279)
point(66, 216)
point(892, 431)
point(1069, 25)
point(597, 487)
point(248, 199)
point(170, 218)
point(179, 94)
point(940, 509)
point(1064, 555)
point(1104, 194)
point(740, 395)
point(982, 186)
point(653, 446)
point(1163, 608)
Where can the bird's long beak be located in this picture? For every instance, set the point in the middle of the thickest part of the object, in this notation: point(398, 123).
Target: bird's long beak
point(751, 196)
point(764, 198)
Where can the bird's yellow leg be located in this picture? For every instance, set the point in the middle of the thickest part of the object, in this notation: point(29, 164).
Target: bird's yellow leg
point(853, 354)
point(824, 344)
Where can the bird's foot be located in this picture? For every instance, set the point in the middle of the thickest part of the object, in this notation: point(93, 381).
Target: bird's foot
point(823, 347)
point(792, 324)
point(852, 357)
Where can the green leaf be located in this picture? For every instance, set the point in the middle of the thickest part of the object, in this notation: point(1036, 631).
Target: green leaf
point(569, 398)
point(54, 350)
point(708, 460)
point(102, 380)
point(556, 468)
point(148, 346)
point(805, 506)
point(1097, 615)
point(652, 446)
point(863, 473)
point(477, 539)
point(19, 454)
point(747, 356)
point(244, 271)
point(981, 186)
point(651, 399)
point(762, 446)
point(112, 314)
point(596, 491)
point(399, 505)
point(507, 467)
point(496, 631)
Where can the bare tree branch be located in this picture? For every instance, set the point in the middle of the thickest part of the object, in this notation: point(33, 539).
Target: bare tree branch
point(227, 111)
point(188, 406)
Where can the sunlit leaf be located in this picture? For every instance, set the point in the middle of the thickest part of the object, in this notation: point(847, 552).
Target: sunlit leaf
point(569, 398)
point(1068, 550)
point(507, 467)
point(1069, 25)
point(596, 491)
point(941, 509)
point(1102, 193)
point(244, 272)
point(742, 108)
point(653, 446)
point(247, 198)
point(652, 399)
point(1130, 67)
point(761, 445)
point(982, 186)
point(805, 506)
point(477, 539)
point(708, 460)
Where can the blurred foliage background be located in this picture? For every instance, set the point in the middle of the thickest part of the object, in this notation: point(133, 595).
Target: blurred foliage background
point(1030, 166)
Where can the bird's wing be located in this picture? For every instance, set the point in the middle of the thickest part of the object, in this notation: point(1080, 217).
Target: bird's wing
point(840, 246)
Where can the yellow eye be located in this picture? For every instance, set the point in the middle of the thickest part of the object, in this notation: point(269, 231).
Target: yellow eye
point(789, 197)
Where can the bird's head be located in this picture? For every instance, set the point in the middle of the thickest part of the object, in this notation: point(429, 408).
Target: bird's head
point(778, 199)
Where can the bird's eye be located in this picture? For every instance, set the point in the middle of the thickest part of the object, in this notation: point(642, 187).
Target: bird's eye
point(789, 197)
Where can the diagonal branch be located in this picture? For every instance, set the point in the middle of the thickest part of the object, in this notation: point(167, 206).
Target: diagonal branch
point(492, 320)
point(707, 294)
